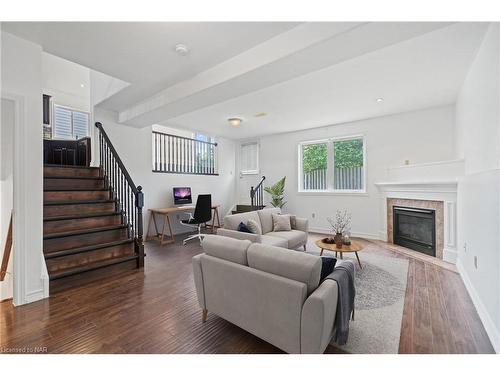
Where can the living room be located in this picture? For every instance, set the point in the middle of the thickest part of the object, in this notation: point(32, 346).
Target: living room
point(302, 150)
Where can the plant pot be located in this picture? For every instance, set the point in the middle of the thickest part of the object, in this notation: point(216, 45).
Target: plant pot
point(338, 241)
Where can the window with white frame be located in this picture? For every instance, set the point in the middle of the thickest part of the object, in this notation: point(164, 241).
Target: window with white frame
point(70, 123)
point(249, 158)
point(332, 165)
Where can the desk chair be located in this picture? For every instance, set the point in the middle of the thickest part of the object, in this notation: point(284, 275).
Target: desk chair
point(202, 214)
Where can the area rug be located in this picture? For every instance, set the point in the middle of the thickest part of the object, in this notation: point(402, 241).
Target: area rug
point(380, 292)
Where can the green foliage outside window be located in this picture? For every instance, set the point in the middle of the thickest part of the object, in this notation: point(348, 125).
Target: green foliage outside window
point(314, 157)
point(347, 154)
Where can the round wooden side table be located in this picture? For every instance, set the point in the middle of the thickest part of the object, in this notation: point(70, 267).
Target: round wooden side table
point(354, 247)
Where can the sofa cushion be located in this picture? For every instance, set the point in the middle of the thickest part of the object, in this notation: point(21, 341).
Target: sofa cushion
point(254, 226)
point(232, 221)
point(243, 228)
point(294, 237)
point(226, 248)
point(266, 219)
point(281, 223)
point(298, 266)
point(273, 241)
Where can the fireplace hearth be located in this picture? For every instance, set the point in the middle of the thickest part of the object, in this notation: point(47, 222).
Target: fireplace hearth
point(415, 228)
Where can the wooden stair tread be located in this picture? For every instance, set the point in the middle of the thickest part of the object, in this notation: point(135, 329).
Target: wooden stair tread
point(82, 216)
point(73, 177)
point(90, 266)
point(83, 231)
point(84, 249)
point(68, 202)
point(76, 189)
point(69, 166)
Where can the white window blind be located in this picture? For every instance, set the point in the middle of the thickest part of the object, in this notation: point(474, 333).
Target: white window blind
point(249, 158)
point(70, 123)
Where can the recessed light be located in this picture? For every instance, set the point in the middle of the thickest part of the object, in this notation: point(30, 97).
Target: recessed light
point(260, 114)
point(82, 85)
point(379, 100)
point(181, 49)
point(234, 121)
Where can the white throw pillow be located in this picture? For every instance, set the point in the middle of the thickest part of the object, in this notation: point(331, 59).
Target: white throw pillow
point(254, 226)
point(281, 223)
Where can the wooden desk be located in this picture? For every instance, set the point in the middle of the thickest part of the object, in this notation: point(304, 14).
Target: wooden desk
point(166, 212)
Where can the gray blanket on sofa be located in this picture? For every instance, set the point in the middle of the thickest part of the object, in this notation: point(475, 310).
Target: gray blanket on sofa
point(343, 274)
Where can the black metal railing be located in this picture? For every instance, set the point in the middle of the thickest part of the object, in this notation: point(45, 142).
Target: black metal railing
point(175, 154)
point(257, 194)
point(129, 198)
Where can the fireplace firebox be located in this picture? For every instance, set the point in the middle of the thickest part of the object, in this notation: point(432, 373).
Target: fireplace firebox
point(415, 228)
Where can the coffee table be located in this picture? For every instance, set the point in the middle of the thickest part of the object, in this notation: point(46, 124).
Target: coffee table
point(354, 247)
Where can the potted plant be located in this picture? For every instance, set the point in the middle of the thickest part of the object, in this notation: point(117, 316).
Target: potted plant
point(339, 225)
point(277, 192)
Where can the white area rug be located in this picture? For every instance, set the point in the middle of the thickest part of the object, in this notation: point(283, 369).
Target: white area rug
point(380, 292)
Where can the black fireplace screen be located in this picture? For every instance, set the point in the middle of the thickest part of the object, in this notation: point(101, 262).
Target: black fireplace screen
point(415, 228)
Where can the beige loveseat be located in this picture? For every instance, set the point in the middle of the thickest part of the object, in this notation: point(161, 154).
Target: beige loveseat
point(293, 239)
point(268, 291)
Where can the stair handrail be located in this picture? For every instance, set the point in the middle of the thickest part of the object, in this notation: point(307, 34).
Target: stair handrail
point(118, 180)
point(7, 251)
point(256, 194)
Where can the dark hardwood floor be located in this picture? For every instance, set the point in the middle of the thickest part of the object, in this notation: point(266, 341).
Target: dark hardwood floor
point(155, 310)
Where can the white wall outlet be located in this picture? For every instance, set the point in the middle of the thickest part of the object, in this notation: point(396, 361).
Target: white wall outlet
point(475, 262)
point(465, 247)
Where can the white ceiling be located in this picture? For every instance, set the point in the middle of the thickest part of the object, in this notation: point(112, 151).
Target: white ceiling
point(418, 73)
point(143, 53)
point(303, 75)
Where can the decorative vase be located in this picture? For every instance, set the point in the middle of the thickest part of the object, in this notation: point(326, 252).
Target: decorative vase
point(338, 240)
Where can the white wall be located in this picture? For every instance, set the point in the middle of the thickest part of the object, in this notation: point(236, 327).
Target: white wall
point(421, 136)
point(135, 149)
point(21, 68)
point(478, 131)
point(62, 79)
point(7, 110)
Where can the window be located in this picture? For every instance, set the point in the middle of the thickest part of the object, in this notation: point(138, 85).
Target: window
point(249, 162)
point(177, 154)
point(332, 165)
point(70, 123)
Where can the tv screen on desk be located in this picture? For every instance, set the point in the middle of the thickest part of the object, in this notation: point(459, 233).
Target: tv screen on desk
point(182, 195)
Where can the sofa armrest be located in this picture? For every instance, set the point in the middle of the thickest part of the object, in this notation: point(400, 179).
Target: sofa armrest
point(318, 317)
point(198, 280)
point(238, 235)
point(301, 224)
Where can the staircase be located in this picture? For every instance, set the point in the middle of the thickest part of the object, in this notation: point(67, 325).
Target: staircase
point(92, 220)
point(256, 199)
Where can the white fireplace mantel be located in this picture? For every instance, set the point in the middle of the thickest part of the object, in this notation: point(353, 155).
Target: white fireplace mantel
point(445, 191)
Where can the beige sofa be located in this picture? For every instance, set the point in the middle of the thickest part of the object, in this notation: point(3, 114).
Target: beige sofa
point(268, 291)
point(293, 239)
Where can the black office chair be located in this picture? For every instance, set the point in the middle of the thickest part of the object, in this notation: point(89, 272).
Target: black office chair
point(202, 214)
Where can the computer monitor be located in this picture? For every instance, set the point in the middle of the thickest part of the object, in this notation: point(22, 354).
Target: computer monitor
point(182, 195)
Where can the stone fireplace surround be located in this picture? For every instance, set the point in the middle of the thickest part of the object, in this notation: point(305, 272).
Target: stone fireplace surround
point(437, 206)
point(439, 196)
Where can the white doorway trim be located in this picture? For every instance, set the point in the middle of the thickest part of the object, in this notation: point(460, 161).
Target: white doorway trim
point(21, 212)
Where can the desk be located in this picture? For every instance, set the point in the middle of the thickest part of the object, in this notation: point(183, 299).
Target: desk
point(166, 212)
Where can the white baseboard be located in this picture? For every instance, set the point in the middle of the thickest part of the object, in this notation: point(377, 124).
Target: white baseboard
point(368, 236)
point(450, 255)
point(486, 319)
point(35, 295)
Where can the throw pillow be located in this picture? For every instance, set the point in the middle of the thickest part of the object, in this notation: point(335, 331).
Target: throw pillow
point(243, 228)
point(327, 266)
point(254, 226)
point(281, 223)
point(293, 221)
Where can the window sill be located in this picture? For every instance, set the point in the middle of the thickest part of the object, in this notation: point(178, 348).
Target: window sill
point(360, 193)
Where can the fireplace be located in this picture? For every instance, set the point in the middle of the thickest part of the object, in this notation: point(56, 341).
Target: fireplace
point(415, 228)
